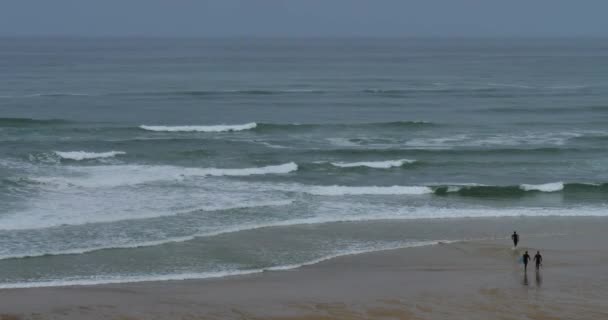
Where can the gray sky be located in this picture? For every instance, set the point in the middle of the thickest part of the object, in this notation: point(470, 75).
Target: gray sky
point(301, 18)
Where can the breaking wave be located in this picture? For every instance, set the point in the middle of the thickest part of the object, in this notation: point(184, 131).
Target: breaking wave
point(546, 187)
point(382, 214)
point(269, 127)
point(374, 164)
point(210, 128)
point(83, 155)
point(117, 175)
point(370, 190)
point(522, 190)
point(466, 190)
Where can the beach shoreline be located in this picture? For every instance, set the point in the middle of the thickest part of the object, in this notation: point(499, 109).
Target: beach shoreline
point(469, 279)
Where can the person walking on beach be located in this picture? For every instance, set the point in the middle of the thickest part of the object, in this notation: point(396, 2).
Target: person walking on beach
point(538, 259)
point(526, 259)
point(515, 238)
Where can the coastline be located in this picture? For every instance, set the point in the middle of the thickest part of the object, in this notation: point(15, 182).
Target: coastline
point(471, 279)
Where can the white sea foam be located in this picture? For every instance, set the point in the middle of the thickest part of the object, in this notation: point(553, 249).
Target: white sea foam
point(83, 155)
point(342, 142)
point(212, 274)
point(330, 214)
point(78, 207)
point(221, 231)
point(547, 187)
point(211, 128)
point(344, 212)
point(526, 138)
point(374, 164)
point(151, 243)
point(272, 145)
point(368, 190)
point(211, 233)
point(511, 85)
point(276, 169)
point(117, 175)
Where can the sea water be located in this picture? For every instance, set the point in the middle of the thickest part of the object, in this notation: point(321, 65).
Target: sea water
point(155, 159)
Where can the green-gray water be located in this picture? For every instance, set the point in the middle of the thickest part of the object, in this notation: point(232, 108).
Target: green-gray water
point(142, 159)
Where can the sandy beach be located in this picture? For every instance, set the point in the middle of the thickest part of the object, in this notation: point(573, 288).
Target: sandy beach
point(463, 280)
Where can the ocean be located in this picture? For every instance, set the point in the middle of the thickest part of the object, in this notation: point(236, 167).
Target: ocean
point(126, 160)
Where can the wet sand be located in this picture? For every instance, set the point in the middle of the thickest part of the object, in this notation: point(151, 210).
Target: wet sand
point(464, 280)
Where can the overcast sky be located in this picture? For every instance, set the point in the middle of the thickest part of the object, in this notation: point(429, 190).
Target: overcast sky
point(302, 18)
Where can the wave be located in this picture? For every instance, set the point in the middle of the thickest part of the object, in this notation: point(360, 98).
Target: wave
point(222, 231)
point(276, 169)
point(210, 128)
point(262, 127)
point(264, 92)
point(374, 164)
point(499, 143)
point(466, 190)
point(269, 127)
point(58, 94)
point(393, 152)
point(522, 190)
point(559, 138)
point(600, 136)
point(489, 88)
point(533, 110)
point(255, 126)
point(599, 108)
point(213, 274)
point(235, 92)
point(47, 94)
point(371, 190)
point(117, 175)
point(547, 187)
point(83, 155)
point(372, 213)
point(24, 122)
point(41, 219)
point(436, 89)
point(346, 152)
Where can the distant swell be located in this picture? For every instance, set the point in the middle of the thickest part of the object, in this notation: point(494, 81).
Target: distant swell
point(82, 155)
point(224, 92)
point(24, 122)
point(374, 164)
point(210, 128)
point(46, 94)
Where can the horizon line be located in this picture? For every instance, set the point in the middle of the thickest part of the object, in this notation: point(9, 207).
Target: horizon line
point(304, 37)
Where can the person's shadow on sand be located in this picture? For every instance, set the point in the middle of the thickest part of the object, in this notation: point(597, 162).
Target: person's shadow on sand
point(525, 282)
point(539, 279)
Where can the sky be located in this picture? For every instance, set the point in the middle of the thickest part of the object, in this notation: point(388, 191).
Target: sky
point(305, 18)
